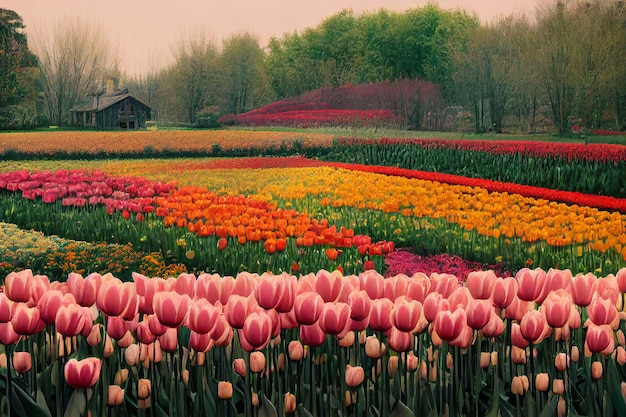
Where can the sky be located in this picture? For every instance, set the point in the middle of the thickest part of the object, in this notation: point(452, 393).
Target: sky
point(145, 30)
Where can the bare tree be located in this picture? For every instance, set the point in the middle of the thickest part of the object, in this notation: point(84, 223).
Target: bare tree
point(76, 59)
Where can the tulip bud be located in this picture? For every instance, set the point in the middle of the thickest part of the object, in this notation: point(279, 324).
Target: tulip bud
point(3, 360)
point(558, 386)
point(373, 347)
point(392, 366)
point(561, 407)
point(411, 362)
point(354, 375)
point(575, 354)
point(108, 347)
point(200, 358)
point(525, 383)
point(144, 404)
point(224, 390)
point(239, 366)
point(290, 403)
point(255, 399)
point(185, 376)
point(560, 361)
point(423, 370)
point(121, 376)
point(295, 350)
point(621, 339)
point(95, 335)
point(596, 370)
point(494, 358)
point(350, 399)
point(144, 389)
point(131, 354)
point(115, 396)
point(485, 359)
point(517, 387)
point(432, 372)
point(623, 387)
point(257, 362)
point(449, 361)
point(347, 340)
point(542, 382)
point(518, 355)
point(22, 362)
point(621, 355)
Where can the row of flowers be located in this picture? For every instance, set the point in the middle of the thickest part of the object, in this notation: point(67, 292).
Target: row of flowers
point(212, 344)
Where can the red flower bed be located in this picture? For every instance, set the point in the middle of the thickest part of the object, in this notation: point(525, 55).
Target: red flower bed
point(603, 202)
point(570, 151)
point(311, 118)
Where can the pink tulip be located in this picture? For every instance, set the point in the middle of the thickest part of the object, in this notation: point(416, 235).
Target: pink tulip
point(143, 333)
point(17, 285)
point(257, 329)
point(559, 279)
point(169, 339)
point(131, 354)
point(171, 308)
point(608, 287)
point(380, 315)
point(48, 305)
point(518, 308)
point(621, 280)
point(478, 313)
point(70, 320)
point(308, 307)
point(334, 318)
point(444, 284)
point(84, 290)
point(7, 334)
point(95, 335)
point(534, 326)
point(146, 288)
point(268, 292)
point(504, 292)
point(186, 285)
point(582, 289)
point(396, 286)
point(208, 287)
point(39, 284)
point(236, 311)
point(355, 375)
point(239, 366)
point(600, 339)
point(405, 314)
point(288, 320)
point(360, 305)
point(202, 316)
point(116, 327)
point(557, 307)
point(26, 320)
point(6, 308)
point(418, 287)
point(22, 362)
point(295, 350)
point(433, 303)
point(155, 326)
point(481, 283)
point(114, 296)
point(494, 327)
point(373, 283)
point(328, 285)
point(400, 341)
point(82, 374)
point(200, 342)
point(288, 294)
point(531, 283)
point(222, 333)
point(459, 298)
point(449, 325)
point(602, 311)
point(257, 362)
point(464, 339)
point(516, 337)
point(312, 335)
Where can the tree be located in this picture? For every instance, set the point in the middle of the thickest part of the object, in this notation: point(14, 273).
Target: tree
point(76, 61)
point(243, 78)
point(18, 65)
point(194, 75)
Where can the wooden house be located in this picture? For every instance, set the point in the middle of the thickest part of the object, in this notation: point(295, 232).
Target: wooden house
point(115, 109)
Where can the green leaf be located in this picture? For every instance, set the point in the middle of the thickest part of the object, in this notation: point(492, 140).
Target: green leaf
point(401, 410)
point(550, 408)
point(614, 390)
point(303, 412)
point(77, 404)
point(267, 409)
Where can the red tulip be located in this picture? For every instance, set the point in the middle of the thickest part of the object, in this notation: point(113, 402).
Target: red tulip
point(312, 335)
point(534, 326)
point(328, 285)
point(82, 374)
point(22, 362)
point(478, 313)
point(406, 314)
point(202, 316)
point(84, 290)
point(531, 283)
point(26, 320)
point(504, 292)
point(115, 296)
point(6, 308)
point(17, 285)
point(70, 320)
point(171, 308)
point(257, 329)
point(308, 307)
point(334, 318)
point(236, 311)
point(380, 315)
point(582, 288)
point(481, 283)
point(449, 325)
point(557, 307)
point(600, 339)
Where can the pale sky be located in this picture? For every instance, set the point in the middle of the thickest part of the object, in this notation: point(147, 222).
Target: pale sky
point(146, 29)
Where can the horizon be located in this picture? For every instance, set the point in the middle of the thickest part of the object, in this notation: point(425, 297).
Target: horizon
point(144, 46)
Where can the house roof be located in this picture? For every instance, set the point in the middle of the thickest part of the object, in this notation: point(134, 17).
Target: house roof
point(97, 103)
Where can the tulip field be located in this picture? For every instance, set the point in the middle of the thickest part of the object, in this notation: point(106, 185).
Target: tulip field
point(413, 278)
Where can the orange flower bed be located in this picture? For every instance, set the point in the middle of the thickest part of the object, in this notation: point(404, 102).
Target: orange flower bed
point(157, 140)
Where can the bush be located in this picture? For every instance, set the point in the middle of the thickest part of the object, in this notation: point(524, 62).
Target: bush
point(206, 120)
